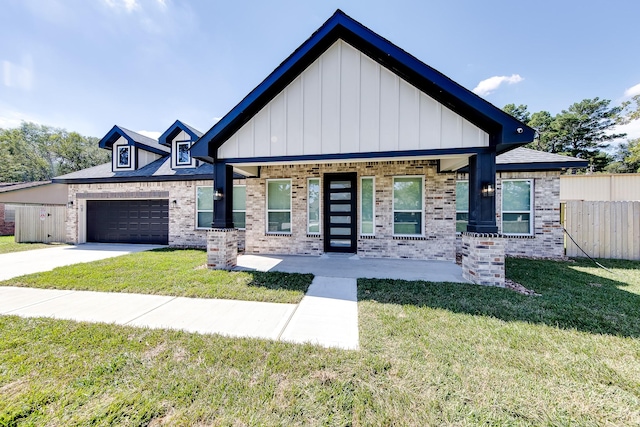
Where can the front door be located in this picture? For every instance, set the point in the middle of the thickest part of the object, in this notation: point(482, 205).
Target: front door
point(340, 212)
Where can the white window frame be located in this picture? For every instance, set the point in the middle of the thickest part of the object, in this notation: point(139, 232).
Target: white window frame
point(457, 211)
point(531, 206)
point(393, 208)
point(178, 162)
point(373, 178)
point(290, 210)
point(118, 164)
point(197, 211)
point(245, 206)
point(315, 233)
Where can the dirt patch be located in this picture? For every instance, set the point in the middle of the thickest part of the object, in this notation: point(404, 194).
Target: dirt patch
point(510, 284)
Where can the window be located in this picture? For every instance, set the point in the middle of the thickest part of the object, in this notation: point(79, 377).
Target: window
point(204, 207)
point(313, 205)
point(516, 206)
point(367, 206)
point(279, 206)
point(407, 205)
point(239, 206)
point(124, 156)
point(183, 156)
point(462, 206)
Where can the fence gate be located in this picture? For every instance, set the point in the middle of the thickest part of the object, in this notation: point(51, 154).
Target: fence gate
point(40, 224)
point(603, 229)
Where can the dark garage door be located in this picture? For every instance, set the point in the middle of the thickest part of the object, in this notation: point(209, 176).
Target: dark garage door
point(128, 221)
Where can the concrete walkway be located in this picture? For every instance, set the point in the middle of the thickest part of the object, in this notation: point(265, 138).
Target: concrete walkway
point(27, 262)
point(327, 314)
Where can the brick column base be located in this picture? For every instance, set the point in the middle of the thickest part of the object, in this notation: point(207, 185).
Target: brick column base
point(483, 258)
point(222, 248)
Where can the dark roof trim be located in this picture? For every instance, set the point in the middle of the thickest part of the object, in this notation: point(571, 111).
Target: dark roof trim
point(133, 138)
point(161, 178)
point(175, 129)
point(545, 166)
point(349, 156)
point(502, 127)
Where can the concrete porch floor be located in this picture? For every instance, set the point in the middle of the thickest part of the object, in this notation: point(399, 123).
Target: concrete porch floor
point(355, 267)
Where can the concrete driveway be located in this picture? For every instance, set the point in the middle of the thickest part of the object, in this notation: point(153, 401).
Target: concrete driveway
point(28, 262)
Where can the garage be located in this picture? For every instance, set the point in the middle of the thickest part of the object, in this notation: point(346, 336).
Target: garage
point(128, 221)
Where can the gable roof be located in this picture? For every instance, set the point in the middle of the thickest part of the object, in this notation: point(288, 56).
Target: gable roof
point(158, 170)
point(134, 138)
point(526, 159)
point(175, 129)
point(506, 131)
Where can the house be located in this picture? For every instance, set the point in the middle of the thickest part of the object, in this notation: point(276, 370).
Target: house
point(15, 194)
point(351, 145)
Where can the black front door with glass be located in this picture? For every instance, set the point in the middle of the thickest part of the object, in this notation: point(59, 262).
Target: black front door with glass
point(340, 212)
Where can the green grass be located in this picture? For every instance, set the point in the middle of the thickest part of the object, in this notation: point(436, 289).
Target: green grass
point(8, 244)
point(170, 272)
point(431, 354)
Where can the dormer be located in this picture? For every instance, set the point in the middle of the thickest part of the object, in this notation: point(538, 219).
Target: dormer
point(179, 138)
point(130, 150)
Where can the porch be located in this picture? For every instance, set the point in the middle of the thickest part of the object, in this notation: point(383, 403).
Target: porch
point(355, 267)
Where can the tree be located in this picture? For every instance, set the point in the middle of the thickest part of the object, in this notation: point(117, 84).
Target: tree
point(630, 110)
point(521, 112)
point(35, 152)
point(582, 131)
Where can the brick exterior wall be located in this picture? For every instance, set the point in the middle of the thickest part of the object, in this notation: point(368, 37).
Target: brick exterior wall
point(548, 237)
point(438, 242)
point(7, 228)
point(222, 248)
point(483, 258)
point(182, 214)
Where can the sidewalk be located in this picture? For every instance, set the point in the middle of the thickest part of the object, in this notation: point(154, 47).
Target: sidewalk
point(327, 314)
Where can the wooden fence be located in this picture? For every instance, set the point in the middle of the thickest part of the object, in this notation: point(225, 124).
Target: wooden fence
point(603, 229)
point(41, 224)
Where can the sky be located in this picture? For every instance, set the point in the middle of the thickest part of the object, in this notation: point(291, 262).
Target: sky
point(86, 65)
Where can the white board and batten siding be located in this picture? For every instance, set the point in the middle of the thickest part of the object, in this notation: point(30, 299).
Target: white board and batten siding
point(345, 102)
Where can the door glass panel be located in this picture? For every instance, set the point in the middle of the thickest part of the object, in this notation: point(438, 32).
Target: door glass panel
point(340, 219)
point(340, 208)
point(340, 231)
point(339, 185)
point(340, 243)
point(341, 196)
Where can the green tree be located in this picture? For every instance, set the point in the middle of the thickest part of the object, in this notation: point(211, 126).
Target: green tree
point(583, 131)
point(33, 152)
point(630, 110)
point(520, 112)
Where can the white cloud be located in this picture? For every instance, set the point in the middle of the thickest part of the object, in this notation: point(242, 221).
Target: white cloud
point(150, 133)
point(632, 91)
point(632, 129)
point(18, 76)
point(10, 118)
point(487, 86)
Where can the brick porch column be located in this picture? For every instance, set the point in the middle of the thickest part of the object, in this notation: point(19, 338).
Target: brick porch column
point(222, 248)
point(483, 258)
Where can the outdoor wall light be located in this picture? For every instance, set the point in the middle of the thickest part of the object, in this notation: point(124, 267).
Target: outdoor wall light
point(217, 195)
point(488, 190)
point(174, 203)
point(70, 204)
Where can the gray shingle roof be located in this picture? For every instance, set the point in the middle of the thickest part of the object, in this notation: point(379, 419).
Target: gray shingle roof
point(159, 170)
point(5, 187)
point(527, 155)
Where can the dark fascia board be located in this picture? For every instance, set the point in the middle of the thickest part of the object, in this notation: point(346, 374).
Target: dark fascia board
point(348, 156)
point(116, 132)
point(174, 130)
point(504, 129)
point(133, 179)
point(535, 167)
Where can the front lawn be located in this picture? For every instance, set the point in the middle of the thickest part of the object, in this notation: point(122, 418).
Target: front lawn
point(8, 244)
point(170, 272)
point(431, 354)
